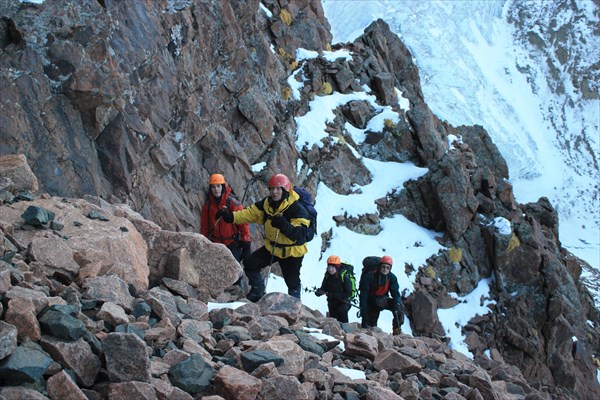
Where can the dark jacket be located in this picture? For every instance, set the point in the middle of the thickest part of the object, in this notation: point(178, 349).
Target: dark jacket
point(375, 285)
point(335, 288)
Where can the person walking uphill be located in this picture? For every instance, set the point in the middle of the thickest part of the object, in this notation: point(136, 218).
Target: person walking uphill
point(338, 289)
point(375, 288)
point(235, 237)
point(286, 222)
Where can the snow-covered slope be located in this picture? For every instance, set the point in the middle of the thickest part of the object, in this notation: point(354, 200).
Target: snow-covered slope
point(525, 71)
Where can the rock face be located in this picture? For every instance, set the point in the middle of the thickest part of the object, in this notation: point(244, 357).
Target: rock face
point(144, 102)
point(121, 111)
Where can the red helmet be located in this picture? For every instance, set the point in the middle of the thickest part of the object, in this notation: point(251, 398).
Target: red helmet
point(334, 260)
point(280, 180)
point(216, 179)
point(386, 260)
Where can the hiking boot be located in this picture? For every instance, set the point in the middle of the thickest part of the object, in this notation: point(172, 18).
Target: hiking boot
point(396, 331)
point(295, 292)
point(255, 296)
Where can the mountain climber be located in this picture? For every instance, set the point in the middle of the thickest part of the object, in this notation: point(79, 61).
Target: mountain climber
point(338, 289)
point(374, 290)
point(235, 237)
point(286, 222)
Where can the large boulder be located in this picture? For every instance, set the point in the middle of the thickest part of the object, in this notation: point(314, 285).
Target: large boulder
point(100, 243)
point(193, 259)
point(17, 174)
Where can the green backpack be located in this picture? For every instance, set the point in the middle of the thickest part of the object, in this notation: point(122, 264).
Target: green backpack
point(348, 270)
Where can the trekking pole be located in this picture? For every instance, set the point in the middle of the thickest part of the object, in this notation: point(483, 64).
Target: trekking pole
point(271, 262)
point(254, 178)
point(314, 290)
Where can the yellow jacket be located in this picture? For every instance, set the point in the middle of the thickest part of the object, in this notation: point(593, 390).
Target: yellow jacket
point(288, 244)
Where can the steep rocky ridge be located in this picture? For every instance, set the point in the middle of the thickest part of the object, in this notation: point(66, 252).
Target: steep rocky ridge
point(141, 105)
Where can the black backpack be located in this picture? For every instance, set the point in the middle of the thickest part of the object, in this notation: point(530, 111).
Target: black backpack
point(306, 200)
point(370, 263)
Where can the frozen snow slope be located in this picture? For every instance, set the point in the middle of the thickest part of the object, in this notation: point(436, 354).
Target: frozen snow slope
point(525, 71)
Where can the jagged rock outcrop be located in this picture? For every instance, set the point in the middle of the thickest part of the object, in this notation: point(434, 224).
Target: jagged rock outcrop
point(464, 194)
point(134, 106)
point(141, 104)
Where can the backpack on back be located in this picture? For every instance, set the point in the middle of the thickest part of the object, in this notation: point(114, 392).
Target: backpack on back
point(306, 200)
point(370, 263)
point(347, 270)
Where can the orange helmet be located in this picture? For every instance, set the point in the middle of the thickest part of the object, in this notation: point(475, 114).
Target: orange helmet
point(386, 260)
point(335, 260)
point(216, 179)
point(280, 180)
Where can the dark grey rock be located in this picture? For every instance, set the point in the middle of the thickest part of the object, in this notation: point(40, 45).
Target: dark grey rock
point(57, 226)
point(192, 375)
point(140, 308)
point(25, 365)
point(97, 215)
point(309, 343)
point(252, 359)
point(37, 216)
point(58, 322)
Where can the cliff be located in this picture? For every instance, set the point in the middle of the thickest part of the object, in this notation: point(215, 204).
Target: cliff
point(137, 103)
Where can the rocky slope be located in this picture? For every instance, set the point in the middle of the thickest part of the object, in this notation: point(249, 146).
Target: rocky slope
point(137, 103)
point(80, 322)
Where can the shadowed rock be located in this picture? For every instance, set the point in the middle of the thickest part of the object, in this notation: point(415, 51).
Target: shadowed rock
point(76, 355)
point(126, 358)
point(192, 375)
point(252, 359)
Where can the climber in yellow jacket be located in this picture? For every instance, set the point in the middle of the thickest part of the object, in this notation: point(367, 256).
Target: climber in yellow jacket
point(286, 222)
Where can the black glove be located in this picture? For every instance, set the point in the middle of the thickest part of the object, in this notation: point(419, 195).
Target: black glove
point(320, 293)
point(399, 311)
point(279, 222)
point(245, 246)
point(225, 215)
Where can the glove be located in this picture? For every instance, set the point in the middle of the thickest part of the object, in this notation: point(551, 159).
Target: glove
point(225, 215)
point(279, 222)
point(245, 246)
point(320, 293)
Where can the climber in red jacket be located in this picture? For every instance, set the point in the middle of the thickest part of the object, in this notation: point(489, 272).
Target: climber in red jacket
point(235, 237)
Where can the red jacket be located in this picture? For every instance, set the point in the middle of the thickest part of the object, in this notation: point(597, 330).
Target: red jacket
point(222, 232)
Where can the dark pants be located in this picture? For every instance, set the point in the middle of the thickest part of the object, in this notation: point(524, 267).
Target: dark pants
point(261, 258)
point(235, 251)
point(338, 309)
point(377, 304)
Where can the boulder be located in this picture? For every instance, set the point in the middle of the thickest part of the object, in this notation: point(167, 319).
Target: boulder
point(126, 358)
point(16, 168)
point(234, 383)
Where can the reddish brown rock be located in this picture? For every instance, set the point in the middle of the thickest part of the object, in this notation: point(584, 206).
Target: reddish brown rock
point(235, 383)
point(15, 168)
point(62, 386)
